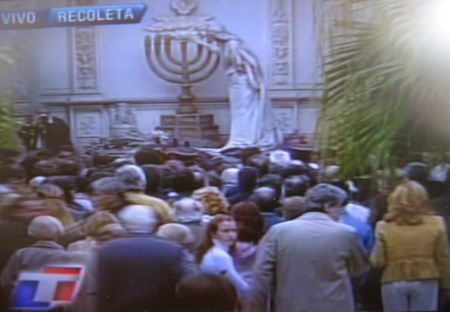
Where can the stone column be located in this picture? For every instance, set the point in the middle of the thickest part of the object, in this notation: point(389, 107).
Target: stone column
point(281, 43)
point(85, 57)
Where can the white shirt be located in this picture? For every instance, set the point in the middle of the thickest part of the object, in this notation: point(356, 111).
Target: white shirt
point(219, 262)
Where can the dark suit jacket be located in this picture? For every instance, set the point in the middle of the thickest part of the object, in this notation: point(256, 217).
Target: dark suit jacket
point(138, 273)
point(13, 236)
point(441, 206)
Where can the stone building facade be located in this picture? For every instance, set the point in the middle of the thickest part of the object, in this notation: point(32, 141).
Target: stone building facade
point(86, 75)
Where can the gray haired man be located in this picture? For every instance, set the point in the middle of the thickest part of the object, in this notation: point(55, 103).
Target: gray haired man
point(310, 259)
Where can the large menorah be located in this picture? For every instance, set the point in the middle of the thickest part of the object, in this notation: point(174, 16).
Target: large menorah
point(181, 61)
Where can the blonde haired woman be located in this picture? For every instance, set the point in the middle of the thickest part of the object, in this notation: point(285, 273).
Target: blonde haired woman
point(411, 245)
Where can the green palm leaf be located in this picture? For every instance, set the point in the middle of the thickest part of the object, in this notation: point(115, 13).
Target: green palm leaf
point(375, 57)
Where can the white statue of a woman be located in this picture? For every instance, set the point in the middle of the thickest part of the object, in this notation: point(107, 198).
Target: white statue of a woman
point(250, 124)
point(251, 120)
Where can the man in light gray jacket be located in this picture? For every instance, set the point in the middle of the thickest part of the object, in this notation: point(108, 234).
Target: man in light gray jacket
point(311, 259)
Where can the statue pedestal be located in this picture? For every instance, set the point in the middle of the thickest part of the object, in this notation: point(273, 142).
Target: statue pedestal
point(196, 128)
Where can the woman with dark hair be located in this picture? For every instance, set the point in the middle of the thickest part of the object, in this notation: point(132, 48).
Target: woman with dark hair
point(411, 245)
point(247, 215)
point(250, 226)
point(206, 293)
point(213, 254)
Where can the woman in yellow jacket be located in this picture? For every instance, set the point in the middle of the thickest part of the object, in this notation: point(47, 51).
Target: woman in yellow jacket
point(411, 244)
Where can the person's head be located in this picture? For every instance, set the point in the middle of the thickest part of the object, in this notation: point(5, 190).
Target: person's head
point(200, 176)
point(407, 204)
point(206, 293)
point(21, 208)
point(121, 161)
point(109, 232)
point(57, 208)
point(292, 207)
point(148, 155)
point(36, 182)
point(98, 220)
point(68, 185)
point(105, 193)
point(181, 181)
point(274, 181)
point(296, 185)
point(46, 191)
point(42, 116)
point(265, 198)
point(295, 167)
point(221, 228)
point(229, 178)
point(187, 210)
point(132, 177)
point(260, 162)
point(153, 177)
point(278, 160)
point(100, 159)
point(247, 178)
point(247, 215)
point(325, 198)
point(212, 200)
point(93, 174)
point(138, 219)
point(331, 173)
point(176, 233)
point(417, 171)
point(45, 228)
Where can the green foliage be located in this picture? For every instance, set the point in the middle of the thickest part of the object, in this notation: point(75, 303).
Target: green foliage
point(7, 129)
point(383, 84)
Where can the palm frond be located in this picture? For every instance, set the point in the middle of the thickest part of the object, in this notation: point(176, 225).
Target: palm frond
point(373, 69)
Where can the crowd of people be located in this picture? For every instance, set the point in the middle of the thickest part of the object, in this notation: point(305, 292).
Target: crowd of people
point(181, 229)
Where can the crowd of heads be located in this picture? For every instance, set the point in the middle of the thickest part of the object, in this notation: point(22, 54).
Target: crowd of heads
point(244, 183)
point(67, 198)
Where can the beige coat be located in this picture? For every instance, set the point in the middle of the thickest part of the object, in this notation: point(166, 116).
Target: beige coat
point(310, 261)
point(412, 252)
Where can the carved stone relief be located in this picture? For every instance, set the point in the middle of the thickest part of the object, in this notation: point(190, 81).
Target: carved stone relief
point(281, 43)
point(285, 116)
point(88, 124)
point(85, 55)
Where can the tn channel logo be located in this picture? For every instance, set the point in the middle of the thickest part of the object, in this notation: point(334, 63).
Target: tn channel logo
point(47, 289)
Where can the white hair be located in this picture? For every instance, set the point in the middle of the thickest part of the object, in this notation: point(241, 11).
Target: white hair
point(187, 210)
point(133, 177)
point(138, 219)
point(176, 233)
point(45, 228)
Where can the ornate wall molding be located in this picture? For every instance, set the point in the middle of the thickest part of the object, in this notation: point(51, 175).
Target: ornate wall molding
point(281, 43)
point(85, 56)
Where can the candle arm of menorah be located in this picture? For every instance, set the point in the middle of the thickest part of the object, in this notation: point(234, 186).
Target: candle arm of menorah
point(168, 50)
point(150, 55)
point(209, 72)
point(184, 71)
point(186, 67)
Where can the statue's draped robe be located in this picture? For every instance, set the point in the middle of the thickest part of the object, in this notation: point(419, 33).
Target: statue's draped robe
point(251, 126)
